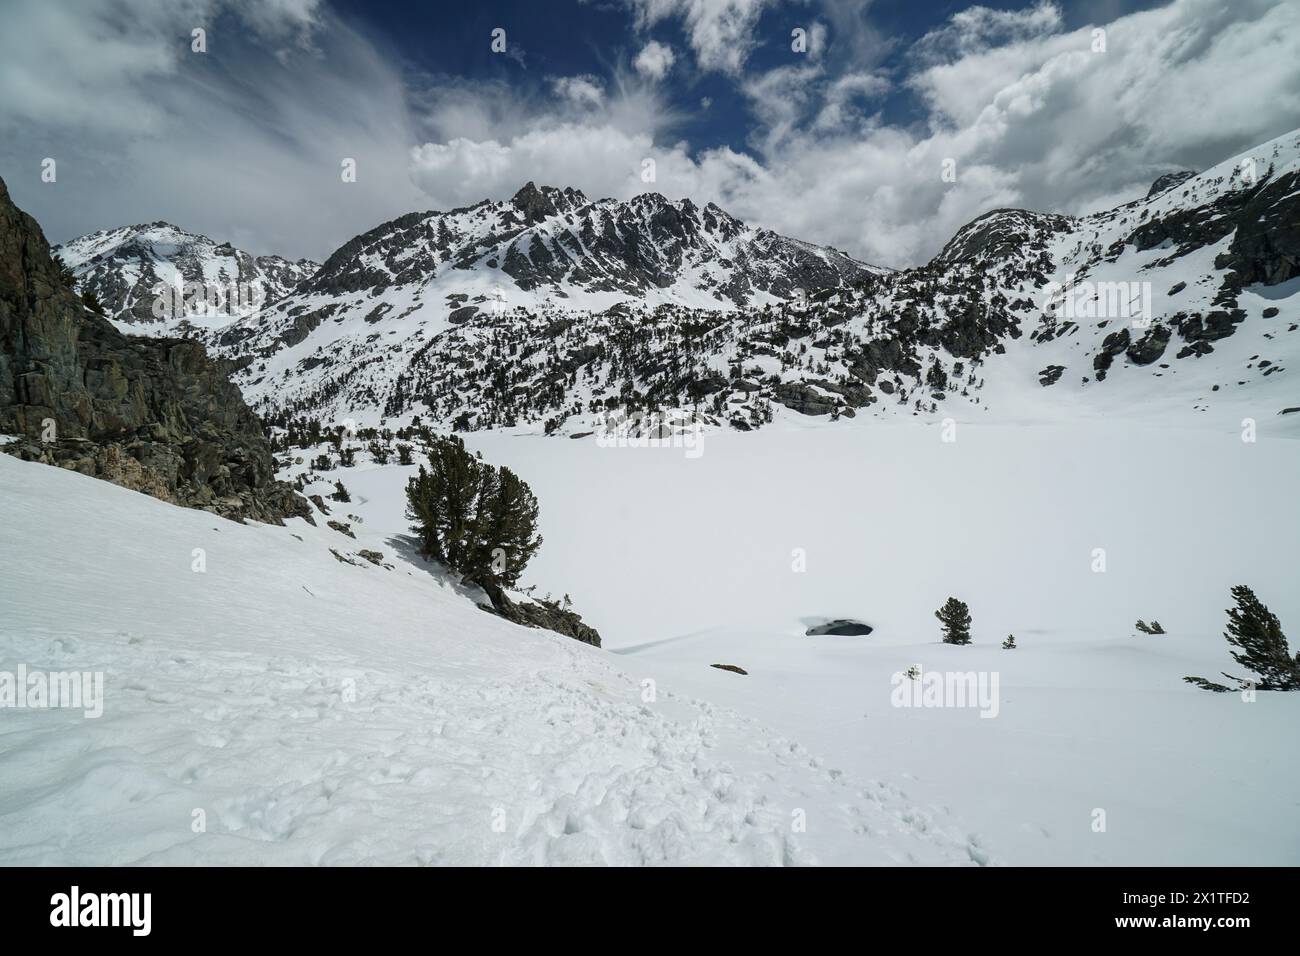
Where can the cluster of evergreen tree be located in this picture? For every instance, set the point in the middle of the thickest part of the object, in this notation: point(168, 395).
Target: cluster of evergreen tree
point(477, 519)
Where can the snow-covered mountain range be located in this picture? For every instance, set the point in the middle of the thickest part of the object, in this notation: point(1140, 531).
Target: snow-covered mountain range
point(124, 268)
point(361, 332)
point(548, 310)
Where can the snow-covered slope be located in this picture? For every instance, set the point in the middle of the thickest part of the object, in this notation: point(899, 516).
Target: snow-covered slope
point(1062, 533)
point(124, 268)
point(548, 310)
point(727, 551)
point(284, 707)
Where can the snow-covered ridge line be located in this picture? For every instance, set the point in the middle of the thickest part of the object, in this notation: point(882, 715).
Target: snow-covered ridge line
point(125, 269)
point(1183, 300)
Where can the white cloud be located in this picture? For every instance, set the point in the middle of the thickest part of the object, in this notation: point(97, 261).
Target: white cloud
point(978, 29)
point(246, 146)
point(654, 61)
point(583, 90)
point(243, 143)
point(721, 32)
point(1029, 114)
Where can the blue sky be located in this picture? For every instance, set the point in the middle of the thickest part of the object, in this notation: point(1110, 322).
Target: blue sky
point(570, 38)
point(1067, 107)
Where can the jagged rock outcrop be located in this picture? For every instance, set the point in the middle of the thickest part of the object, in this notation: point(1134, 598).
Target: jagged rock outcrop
point(547, 615)
point(1169, 181)
point(155, 415)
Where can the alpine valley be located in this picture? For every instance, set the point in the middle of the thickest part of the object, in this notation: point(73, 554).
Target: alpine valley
point(1069, 422)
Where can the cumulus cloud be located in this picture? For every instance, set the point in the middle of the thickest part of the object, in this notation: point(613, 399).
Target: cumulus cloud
point(597, 146)
point(978, 29)
point(721, 32)
point(583, 90)
point(654, 61)
point(244, 143)
point(1030, 114)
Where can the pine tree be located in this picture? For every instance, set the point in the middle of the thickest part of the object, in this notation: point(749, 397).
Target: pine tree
point(67, 277)
point(1263, 649)
point(442, 502)
point(955, 618)
point(472, 517)
point(91, 302)
point(508, 521)
point(1010, 643)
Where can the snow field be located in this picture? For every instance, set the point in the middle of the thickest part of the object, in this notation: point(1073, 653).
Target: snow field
point(282, 707)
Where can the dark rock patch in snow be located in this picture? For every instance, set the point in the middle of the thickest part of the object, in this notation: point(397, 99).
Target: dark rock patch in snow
point(840, 627)
point(1169, 181)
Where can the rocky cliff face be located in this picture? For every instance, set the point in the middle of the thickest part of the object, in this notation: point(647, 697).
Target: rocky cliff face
point(158, 416)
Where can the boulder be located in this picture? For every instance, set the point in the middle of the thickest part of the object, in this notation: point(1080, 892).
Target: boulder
point(842, 627)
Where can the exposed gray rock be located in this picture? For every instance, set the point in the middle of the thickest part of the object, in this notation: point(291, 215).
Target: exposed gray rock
point(1112, 345)
point(841, 627)
point(1050, 375)
point(536, 613)
point(1169, 181)
point(802, 399)
point(1150, 347)
point(155, 415)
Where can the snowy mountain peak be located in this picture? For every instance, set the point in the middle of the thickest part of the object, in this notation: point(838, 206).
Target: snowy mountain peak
point(124, 269)
point(555, 241)
point(540, 203)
